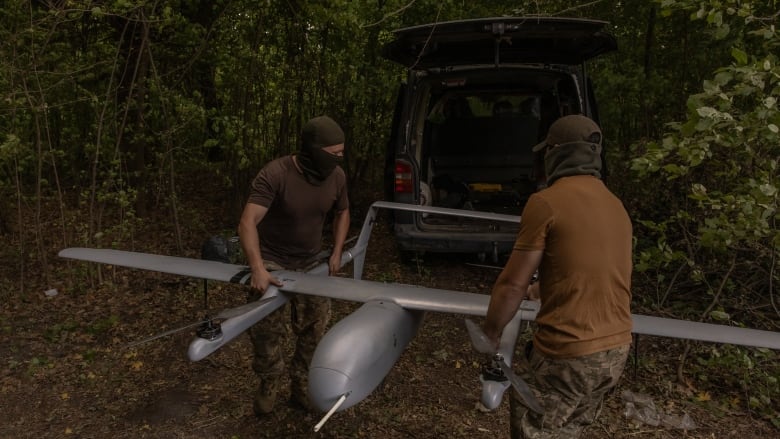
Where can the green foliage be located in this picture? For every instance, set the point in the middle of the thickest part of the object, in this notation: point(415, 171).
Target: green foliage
point(721, 165)
point(754, 372)
point(708, 229)
point(36, 364)
point(89, 355)
point(57, 331)
point(102, 326)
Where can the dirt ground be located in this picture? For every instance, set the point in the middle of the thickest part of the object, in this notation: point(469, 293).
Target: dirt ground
point(68, 372)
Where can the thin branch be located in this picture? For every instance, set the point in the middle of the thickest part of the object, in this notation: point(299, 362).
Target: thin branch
point(391, 14)
point(574, 8)
point(772, 279)
point(93, 222)
point(428, 40)
point(720, 288)
point(169, 152)
point(671, 285)
point(681, 364)
point(20, 218)
point(34, 109)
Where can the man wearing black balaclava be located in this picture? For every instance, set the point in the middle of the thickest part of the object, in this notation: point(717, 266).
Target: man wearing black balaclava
point(281, 228)
point(578, 235)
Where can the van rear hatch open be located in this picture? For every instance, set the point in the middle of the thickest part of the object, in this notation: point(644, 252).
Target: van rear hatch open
point(500, 40)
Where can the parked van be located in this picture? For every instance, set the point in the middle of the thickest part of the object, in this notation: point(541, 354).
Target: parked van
point(479, 95)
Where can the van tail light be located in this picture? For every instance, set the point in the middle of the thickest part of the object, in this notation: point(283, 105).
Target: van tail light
point(403, 177)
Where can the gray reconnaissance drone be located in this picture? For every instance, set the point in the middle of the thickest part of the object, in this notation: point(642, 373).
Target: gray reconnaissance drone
point(357, 353)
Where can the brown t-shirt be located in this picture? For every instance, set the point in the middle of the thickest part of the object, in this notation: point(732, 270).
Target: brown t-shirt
point(585, 273)
point(291, 231)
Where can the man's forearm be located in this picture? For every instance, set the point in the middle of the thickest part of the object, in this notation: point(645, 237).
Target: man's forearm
point(340, 230)
point(250, 243)
point(510, 289)
point(504, 302)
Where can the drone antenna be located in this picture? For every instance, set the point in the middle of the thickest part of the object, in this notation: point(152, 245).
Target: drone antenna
point(205, 294)
point(636, 354)
point(208, 328)
point(166, 333)
point(330, 412)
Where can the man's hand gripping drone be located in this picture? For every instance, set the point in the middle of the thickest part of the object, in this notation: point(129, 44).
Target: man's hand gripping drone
point(497, 372)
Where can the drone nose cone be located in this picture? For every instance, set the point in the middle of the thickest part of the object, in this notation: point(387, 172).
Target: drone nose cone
point(326, 386)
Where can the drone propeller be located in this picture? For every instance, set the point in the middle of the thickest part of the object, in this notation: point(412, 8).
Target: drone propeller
point(483, 345)
point(222, 315)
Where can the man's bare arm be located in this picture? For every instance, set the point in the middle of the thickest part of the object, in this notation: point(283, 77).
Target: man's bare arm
point(250, 242)
point(510, 289)
point(340, 230)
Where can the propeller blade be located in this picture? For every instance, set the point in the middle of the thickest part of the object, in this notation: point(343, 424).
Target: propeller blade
point(222, 315)
point(483, 345)
point(525, 392)
point(479, 339)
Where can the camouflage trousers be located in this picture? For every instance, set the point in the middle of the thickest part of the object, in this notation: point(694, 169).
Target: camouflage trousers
point(570, 390)
point(302, 321)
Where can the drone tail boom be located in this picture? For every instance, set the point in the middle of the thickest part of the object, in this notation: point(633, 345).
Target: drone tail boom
point(200, 348)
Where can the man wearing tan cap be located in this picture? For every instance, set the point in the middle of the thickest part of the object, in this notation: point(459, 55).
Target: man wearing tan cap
point(578, 235)
point(281, 228)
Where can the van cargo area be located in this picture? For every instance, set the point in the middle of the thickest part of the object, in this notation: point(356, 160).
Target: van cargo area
point(474, 143)
point(479, 95)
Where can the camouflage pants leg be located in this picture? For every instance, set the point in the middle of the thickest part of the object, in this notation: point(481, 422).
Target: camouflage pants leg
point(269, 337)
point(570, 391)
point(310, 316)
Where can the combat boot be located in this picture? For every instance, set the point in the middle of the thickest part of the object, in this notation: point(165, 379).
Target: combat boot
point(301, 402)
point(299, 398)
point(265, 397)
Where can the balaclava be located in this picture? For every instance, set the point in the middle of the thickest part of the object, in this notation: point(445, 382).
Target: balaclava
point(574, 148)
point(315, 163)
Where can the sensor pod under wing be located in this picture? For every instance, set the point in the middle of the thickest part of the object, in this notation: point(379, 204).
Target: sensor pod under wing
point(358, 352)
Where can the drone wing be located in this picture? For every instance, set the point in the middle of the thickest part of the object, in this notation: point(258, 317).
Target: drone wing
point(430, 299)
point(675, 328)
point(406, 296)
point(190, 267)
point(410, 297)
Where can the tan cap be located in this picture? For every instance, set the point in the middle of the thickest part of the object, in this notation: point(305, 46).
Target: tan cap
point(572, 128)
